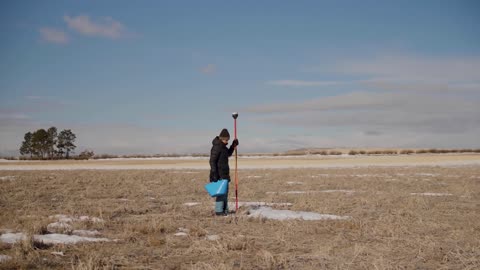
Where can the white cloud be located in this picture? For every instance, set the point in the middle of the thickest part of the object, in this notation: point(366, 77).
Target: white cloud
point(411, 68)
point(53, 35)
point(13, 116)
point(374, 107)
point(105, 27)
point(406, 100)
point(301, 83)
point(422, 87)
point(208, 69)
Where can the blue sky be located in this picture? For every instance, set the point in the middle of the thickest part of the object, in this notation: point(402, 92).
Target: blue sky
point(164, 76)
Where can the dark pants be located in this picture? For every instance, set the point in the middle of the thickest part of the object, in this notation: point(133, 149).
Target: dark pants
point(221, 203)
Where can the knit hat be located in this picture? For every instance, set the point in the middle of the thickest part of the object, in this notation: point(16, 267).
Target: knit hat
point(224, 135)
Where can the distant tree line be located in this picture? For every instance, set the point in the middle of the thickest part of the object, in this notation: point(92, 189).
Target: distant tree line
point(43, 144)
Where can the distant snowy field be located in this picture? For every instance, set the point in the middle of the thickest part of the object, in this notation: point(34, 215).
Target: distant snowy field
point(248, 162)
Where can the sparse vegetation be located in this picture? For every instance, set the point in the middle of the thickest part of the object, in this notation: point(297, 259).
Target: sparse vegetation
point(390, 227)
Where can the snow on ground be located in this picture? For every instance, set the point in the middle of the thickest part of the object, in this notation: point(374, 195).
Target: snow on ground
point(290, 192)
point(294, 183)
point(65, 239)
point(12, 238)
point(191, 203)
point(182, 232)
point(8, 177)
point(263, 162)
point(4, 258)
point(70, 219)
point(240, 204)
point(426, 174)
point(212, 237)
point(368, 175)
point(87, 233)
point(269, 213)
point(432, 194)
point(58, 253)
point(64, 222)
point(312, 191)
point(338, 190)
point(254, 176)
point(56, 227)
point(54, 238)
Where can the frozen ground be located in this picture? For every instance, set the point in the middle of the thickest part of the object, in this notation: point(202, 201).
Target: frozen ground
point(393, 224)
point(269, 213)
point(50, 239)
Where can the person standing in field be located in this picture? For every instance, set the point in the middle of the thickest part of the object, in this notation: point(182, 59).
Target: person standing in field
point(219, 168)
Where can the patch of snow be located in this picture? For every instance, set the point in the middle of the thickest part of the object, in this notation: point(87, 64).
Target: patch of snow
point(213, 237)
point(240, 204)
point(432, 194)
point(181, 234)
point(290, 192)
point(310, 163)
point(294, 183)
point(8, 177)
point(295, 192)
point(338, 190)
point(254, 176)
point(12, 238)
point(269, 213)
point(4, 258)
point(426, 174)
point(191, 203)
point(59, 227)
point(70, 219)
point(54, 238)
point(184, 230)
point(86, 233)
point(65, 239)
point(62, 218)
point(58, 253)
point(123, 199)
point(151, 198)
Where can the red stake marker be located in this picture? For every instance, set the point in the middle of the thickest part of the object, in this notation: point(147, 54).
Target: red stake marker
point(235, 115)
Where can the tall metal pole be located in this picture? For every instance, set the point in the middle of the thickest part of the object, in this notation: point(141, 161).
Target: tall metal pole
point(235, 115)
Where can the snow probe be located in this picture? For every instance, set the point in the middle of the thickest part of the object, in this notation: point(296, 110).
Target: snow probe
point(235, 115)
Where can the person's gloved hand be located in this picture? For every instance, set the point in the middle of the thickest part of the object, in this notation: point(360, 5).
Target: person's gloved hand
point(235, 143)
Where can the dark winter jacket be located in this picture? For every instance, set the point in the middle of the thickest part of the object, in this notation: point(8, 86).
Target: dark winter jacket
point(219, 154)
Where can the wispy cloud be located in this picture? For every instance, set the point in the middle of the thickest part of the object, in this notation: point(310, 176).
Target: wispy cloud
point(208, 69)
point(301, 83)
point(12, 115)
point(53, 35)
point(104, 27)
point(349, 101)
point(369, 111)
point(411, 68)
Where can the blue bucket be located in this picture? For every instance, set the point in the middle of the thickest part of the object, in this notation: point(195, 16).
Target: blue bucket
point(218, 188)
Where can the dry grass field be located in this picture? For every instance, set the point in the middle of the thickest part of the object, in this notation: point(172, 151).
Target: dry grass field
point(421, 217)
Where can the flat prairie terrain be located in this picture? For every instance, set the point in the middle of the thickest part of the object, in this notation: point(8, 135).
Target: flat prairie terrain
point(399, 212)
point(254, 162)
